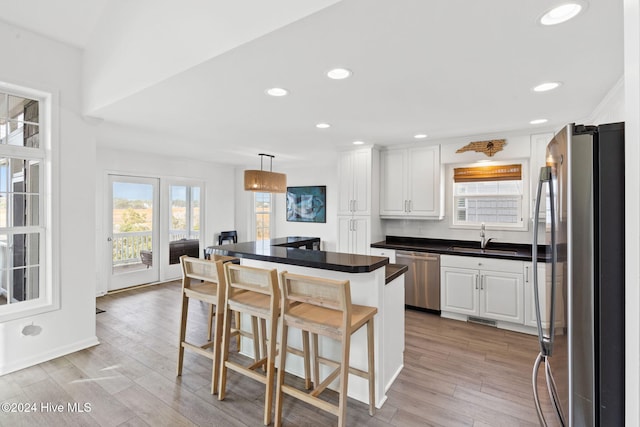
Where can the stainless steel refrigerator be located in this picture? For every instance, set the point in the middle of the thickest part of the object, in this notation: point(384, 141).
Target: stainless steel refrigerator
point(579, 240)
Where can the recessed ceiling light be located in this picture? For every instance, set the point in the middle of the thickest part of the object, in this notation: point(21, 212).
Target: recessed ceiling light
point(323, 125)
point(358, 142)
point(562, 13)
point(277, 91)
point(538, 121)
point(420, 136)
point(339, 73)
point(544, 87)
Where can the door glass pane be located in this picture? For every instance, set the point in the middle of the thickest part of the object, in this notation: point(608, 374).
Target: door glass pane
point(132, 226)
point(195, 213)
point(178, 208)
point(184, 235)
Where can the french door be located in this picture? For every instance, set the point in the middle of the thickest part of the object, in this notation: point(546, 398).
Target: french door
point(133, 235)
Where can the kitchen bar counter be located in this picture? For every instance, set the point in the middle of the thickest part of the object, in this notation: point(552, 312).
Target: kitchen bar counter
point(285, 251)
point(514, 251)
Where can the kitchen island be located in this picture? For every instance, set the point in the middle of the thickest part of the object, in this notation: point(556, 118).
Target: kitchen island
point(372, 284)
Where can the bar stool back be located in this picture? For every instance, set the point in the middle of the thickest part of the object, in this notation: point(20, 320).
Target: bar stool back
point(323, 307)
point(255, 292)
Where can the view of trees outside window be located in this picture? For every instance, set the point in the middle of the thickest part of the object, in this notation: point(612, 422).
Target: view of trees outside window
point(263, 208)
point(185, 212)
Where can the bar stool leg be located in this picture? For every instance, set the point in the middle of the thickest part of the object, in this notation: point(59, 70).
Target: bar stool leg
point(237, 317)
point(183, 332)
point(307, 368)
point(316, 362)
point(271, 358)
point(219, 319)
point(344, 380)
point(210, 323)
point(280, 376)
point(226, 334)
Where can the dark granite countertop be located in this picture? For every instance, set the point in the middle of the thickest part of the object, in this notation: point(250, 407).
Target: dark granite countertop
point(514, 251)
point(393, 271)
point(285, 250)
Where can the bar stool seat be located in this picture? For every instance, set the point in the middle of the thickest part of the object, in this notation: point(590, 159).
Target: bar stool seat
point(323, 307)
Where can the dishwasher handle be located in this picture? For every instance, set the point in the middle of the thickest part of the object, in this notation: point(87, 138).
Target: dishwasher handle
point(419, 257)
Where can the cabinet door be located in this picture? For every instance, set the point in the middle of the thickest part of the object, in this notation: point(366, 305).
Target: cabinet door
point(501, 296)
point(345, 184)
point(361, 240)
point(544, 293)
point(389, 253)
point(344, 234)
point(538, 159)
point(361, 172)
point(393, 177)
point(424, 182)
point(459, 290)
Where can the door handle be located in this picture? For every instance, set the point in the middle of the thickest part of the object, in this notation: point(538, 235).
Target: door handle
point(476, 279)
point(482, 282)
point(526, 274)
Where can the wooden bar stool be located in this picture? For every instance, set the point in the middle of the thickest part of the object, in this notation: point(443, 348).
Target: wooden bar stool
point(323, 307)
point(255, 292)
point(204, 281)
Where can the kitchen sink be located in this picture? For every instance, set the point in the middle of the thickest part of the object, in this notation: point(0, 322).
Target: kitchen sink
point(490, 251)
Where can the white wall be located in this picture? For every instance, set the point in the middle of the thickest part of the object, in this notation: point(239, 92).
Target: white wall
point(32, 61)
point(218, 189)
point(632, 221)
point(612, 107)
point(313, 175)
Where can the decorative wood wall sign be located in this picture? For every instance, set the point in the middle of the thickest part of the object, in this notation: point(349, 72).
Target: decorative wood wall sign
point(487, 147)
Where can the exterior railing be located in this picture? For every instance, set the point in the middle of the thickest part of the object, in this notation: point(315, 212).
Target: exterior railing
point(127, 246)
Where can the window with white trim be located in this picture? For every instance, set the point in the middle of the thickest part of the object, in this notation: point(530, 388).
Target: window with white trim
point(492, 195)
point(25, 281)
point(263, 208)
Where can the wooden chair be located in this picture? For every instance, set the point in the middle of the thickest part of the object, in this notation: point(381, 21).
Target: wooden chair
point(323, 307)
point(204, 281)
point(255, 292)
point(228, 236)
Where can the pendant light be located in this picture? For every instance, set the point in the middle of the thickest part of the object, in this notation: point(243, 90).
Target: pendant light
point(265, 181)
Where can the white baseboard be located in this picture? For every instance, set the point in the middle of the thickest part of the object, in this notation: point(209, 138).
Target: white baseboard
point(48, 355)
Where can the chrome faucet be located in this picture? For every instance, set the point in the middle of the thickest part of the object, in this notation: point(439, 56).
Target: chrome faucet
point(483, 242)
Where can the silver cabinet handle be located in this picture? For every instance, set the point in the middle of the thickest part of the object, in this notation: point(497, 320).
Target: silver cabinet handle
point(526, 274)
point(482, 282)
point(410, 205)
point(476, 279)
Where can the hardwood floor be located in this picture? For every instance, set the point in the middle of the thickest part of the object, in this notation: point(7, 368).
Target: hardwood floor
point(455, 374)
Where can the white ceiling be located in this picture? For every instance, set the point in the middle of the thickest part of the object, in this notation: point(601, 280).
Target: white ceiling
point(443, 67)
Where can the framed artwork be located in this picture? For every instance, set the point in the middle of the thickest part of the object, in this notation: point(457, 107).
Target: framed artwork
point(307, 204)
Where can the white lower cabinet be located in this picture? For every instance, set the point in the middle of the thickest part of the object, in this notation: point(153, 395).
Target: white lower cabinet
point(482, 287)
point(354, 234)
point(389, 253)
point(544, 293)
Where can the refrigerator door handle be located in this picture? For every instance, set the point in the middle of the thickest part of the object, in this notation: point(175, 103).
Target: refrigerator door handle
point(545, 173)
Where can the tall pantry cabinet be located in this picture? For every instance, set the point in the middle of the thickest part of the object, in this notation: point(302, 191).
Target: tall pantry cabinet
point(358, 200)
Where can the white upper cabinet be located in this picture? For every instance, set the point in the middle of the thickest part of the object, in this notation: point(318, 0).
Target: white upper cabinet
point(538, 160)
point(354, 170)
point(411, 183)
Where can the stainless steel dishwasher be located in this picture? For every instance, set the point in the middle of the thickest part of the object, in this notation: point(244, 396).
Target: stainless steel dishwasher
point(422, 281)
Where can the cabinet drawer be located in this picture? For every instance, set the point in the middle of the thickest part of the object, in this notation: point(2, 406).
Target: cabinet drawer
point(478, 263)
